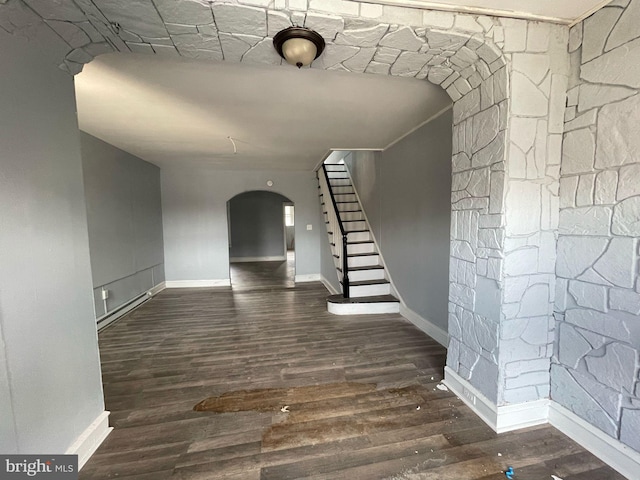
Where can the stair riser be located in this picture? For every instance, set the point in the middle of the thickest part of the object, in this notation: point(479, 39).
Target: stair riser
point(362, 275)
point(348, 206)
point(342, 190)
point(346, 197)
point(361, 248)
point(351, 226)
point(363, 308)
point(369, 290)
point(338, 175)
point(365, 261)
point(337, 182)
point(359, 236)
point(345, 216)
point(351, 216)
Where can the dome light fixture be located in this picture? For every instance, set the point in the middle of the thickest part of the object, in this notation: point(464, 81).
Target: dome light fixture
point(299, 46)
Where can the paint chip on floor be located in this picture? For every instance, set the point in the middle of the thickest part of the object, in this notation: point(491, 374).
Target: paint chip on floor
point(442, 386)
point(285, 409)
point(555, 477)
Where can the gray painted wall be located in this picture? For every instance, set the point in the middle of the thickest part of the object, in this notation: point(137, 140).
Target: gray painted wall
point(50, 385)
point(194, 208)
point(124, 216)
point(596, 362)
point(257, 225)
point(406, 194)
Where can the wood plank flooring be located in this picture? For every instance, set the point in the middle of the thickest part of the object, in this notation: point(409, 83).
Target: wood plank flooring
point(378, 414)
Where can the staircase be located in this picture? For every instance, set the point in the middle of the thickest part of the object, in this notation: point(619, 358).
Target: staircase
point(363, 277)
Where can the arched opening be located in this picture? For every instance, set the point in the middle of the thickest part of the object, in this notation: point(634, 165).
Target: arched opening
point(261, 240)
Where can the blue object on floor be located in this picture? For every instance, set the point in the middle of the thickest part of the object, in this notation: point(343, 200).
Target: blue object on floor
point(509, 473)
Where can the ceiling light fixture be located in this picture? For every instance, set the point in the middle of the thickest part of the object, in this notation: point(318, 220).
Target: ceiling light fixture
point(299, 46)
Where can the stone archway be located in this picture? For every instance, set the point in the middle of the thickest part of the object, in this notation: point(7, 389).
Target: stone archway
point(507, 79)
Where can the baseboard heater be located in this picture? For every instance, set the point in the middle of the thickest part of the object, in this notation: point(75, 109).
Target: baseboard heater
point(114, 315)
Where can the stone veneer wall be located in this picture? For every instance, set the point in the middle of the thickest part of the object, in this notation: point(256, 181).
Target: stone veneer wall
point(505, 216)
point(507, 79)
point(595, 368)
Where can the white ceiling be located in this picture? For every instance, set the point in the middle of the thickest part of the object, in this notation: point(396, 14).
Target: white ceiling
point(559, 11)
point(178, 112)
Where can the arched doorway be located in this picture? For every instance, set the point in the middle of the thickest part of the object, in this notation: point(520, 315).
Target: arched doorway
point(261, 240)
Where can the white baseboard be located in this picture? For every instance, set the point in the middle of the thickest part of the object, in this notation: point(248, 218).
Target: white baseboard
point(611, 451)
point(277, 258)
point(89, 440)
point(328, 285)
point(501, 419)
point(157, 289)
point(114, 315)
point(428, 327)
point(312, 277)
point(221, 282)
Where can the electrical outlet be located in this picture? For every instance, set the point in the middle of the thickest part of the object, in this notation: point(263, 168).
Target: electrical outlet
point(309, 227)
point(105, 294)
point(470, 396)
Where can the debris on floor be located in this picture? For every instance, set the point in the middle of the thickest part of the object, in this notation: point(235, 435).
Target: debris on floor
point(509, 473)
point(499, 454)
point(442, 386)
point(555, 477)
point(285, 409)
point(418, 407)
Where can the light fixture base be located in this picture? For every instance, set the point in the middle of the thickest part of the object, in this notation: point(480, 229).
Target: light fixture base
point(301, 33)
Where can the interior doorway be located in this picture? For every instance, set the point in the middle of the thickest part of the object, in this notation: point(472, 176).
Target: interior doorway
point(261, 240)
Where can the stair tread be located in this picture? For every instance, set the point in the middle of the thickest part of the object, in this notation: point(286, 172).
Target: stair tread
point(361, 242)
point(363, 283)
point(362, 254)
point(363, 268)
point(375, 299)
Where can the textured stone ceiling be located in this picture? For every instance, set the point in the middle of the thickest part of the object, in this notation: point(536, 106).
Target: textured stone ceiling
point(453, 51)
point(565, 11)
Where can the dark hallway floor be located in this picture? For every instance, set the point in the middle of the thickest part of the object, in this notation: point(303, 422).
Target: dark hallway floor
point(361, 390)
point(263, 275)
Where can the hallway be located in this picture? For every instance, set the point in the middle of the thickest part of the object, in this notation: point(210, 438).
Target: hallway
point(263, 275)
point(187, 345)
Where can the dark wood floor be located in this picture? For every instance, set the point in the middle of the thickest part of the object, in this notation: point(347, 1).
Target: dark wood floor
point(376, 415)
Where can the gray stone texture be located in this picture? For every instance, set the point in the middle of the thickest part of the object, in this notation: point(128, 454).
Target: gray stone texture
point(595, 371)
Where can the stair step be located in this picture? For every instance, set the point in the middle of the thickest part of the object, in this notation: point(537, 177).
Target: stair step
point(354, 225)
point(369, 288)
point(345, 197)
point(360, 247)
point(339, 182)
point(342, 190)
point(370, 272)
point(338, 305)
point(360, 235)
point(363, 259)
